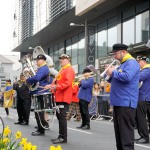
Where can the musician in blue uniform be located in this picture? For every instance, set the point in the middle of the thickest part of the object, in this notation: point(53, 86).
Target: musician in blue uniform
point(144, 100)
point(41, 77)
point(124, 96)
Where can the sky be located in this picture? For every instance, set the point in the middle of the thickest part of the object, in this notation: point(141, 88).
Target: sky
point(6, 32)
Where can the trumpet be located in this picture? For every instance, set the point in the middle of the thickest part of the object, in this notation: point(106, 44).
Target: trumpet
point(79, 78)
point(116, 66)
point(95, 71)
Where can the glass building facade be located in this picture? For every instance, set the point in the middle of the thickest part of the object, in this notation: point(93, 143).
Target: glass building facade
point(121, 24)
point(128, 27)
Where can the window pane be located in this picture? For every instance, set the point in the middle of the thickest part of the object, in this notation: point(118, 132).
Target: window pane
point(102, 43)
point(61, 48)
point(142, 27)
point(128, 32)
point(81, 68)
point(112, 37)
point(74, 53)
point(56, 57)
point(81, 53)
point(68, 47)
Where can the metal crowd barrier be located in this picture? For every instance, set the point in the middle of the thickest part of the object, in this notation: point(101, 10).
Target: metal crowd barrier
point(98, 115)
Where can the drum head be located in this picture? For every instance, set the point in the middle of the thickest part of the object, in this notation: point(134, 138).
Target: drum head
point(39, 94)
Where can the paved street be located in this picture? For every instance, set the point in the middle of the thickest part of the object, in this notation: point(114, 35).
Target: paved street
point(100, 137)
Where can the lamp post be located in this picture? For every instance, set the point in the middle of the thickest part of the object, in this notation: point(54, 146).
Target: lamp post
point(89, 42)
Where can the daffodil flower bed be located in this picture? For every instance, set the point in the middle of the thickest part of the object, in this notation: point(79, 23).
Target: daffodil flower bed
point(8, 141)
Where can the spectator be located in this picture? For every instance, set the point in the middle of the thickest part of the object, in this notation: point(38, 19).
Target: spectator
point(93, 103)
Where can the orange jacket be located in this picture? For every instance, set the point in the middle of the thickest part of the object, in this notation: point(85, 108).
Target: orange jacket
point(107, 87)
point(64, 82)
point(75, 99)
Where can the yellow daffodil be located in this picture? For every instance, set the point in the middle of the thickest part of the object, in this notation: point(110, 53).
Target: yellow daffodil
point(23, 141)
point(7, 131)
point(28, 146)
point(18, 135)
point(6, 140)
point(34, 147)
point(55, 148)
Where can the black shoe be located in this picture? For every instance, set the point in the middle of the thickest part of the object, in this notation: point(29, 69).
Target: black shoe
point(46, 126)
point(80, 127)
point(36, 127)
point(87, 127)
point(59, 140)
point(37, 133)
point(25, 123)
point(54, 139)
point(18, 122)
point(142, 141)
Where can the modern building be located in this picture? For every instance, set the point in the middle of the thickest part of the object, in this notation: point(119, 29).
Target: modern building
point(102, 22)
point(10, 68)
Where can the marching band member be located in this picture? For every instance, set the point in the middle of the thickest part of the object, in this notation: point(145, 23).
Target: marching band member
point(23, 101)
point(42, 76)
point(63, 95)
point(124, 96)
point(7, 88)
point(75, 103)
point(85, 96)
point(144, 100)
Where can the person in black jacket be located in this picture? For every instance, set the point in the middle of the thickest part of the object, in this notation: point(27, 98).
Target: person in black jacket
point(23, 101)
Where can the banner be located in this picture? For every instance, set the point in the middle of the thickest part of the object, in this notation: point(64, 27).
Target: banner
point(91, 46)
point(8, 98)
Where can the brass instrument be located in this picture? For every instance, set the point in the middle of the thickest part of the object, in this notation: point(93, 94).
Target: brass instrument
point(115, 63)
point(28, 71)
point(112, 64)
point(81, 77)
point(20, 83)
point(29, 66)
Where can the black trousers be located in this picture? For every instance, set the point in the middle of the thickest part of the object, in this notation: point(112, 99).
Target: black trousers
point(84, 112)
point(62, 120)
point(143, 110)
point(40, 115)
point(7, 111)
point(23, 109)
point(20, 109)
point(124, 121)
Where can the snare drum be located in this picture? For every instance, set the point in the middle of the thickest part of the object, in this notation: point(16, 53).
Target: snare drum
point(46, 101)
point(44, 108)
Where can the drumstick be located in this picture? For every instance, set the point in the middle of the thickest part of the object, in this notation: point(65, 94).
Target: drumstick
point(43, 90)
point(42, 87)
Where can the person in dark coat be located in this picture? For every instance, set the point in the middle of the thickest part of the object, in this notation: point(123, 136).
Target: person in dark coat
point(23, 101)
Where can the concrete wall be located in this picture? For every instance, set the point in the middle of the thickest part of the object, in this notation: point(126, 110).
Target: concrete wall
point(83, 6)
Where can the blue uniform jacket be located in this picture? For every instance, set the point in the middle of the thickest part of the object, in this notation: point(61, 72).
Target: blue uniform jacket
point(8, 88)
point(42, 76)
point(124, 84)
point(144, 91)
point(85, 91)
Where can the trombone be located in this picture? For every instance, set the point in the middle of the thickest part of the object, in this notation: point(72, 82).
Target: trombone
point(80, 77)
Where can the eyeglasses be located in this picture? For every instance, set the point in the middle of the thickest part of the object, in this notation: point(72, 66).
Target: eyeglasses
point(116, 53)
